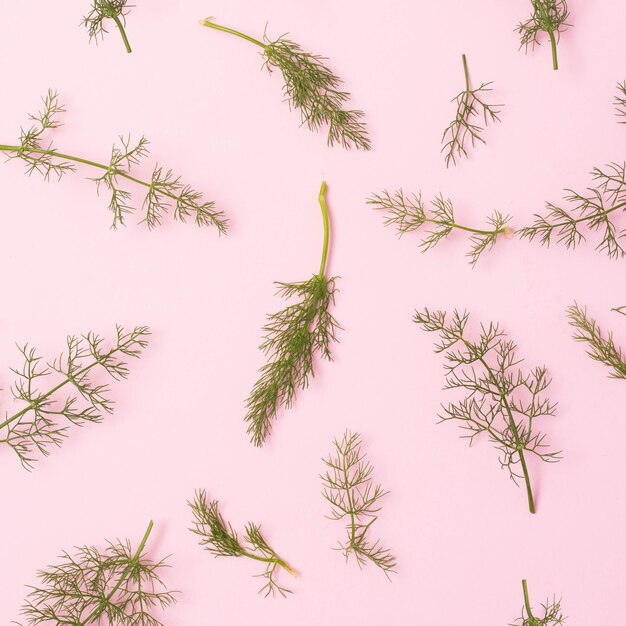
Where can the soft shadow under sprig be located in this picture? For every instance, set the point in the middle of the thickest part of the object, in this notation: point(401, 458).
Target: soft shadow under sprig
point(594, 211)
point(103, 10)
point(49, 413)
point(465, 127)
point(347, 485)
point(552, 615)
point(502, 400)
point(599, 347)
point(113, 585)
point(408, 213)
point(164, 191)
point(221, 539)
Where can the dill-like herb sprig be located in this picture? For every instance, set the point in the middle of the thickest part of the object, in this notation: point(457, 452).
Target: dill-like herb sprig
point(408, 214)
point(552, 615)
point(93, 586)
point(220, 539)
point(347, 485)
point(549, 16)
point(311, 87)
point(620, 102)
point(103, 10)
point(503, 401)
point(599, 347)
point(293, 337)
point(165, 190)
point(591, 210)
point(463, 128)
point(48, 414)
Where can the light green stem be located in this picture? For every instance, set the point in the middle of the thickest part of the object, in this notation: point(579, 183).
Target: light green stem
point(120, 27)
point(272, 559)
point(466, 72)
point(210, 24)
point(529, 610)
point(555, 60)
point(324, 207)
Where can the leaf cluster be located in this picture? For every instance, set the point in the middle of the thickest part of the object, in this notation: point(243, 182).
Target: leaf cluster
point(45, 419)
point(408, 213)
point(94, 586)
point(591, 211)
point(221, 539)
point(552, 615)
point(502, 401)
point(347, 485)
point(102, 11)
point(549, 16)
point(292, 338)
point(599, 347)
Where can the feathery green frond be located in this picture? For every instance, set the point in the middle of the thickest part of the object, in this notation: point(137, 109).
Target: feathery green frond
point(502, 401)
point(312, 88)
point(221, 539)
point(552, 615)
point(347, 485)
point(620, 102)
point(103, 10)
point(48, 413)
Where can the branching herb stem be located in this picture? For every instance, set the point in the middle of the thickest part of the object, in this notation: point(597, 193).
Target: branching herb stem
point(101, 10)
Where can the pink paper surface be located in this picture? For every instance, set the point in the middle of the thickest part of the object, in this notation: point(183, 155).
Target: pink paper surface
point(458, 526)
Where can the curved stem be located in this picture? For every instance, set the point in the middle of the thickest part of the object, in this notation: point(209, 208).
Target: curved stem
point(324, 207)
point(466, 228)
point(210, 24)
point(555, 60)
point(272, 559)
point(120, 27)
point(529, 610)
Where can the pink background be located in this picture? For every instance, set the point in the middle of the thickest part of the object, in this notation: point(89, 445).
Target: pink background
point(459, 528)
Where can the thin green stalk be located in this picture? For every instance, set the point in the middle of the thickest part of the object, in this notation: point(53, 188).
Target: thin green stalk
point(210, 24)
point(466, 72)
point(324, 207)
point(529, 611)
point(466, 228)
point(272, 559)
point(120, 27)
point(555, 60)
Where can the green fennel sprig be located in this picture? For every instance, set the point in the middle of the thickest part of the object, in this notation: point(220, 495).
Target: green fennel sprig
point(549, 16)
point(592, 210)
point(292, 338)
point(103, 10)
point(310, 87)
point(164, 190)
point(552, 615)
point(502, 401)
point(408, 214)
point(220, 539)
point(463, 128)
point(620, 102)
point(347, 485)
point(47, 415)
point(93, 586)
point(599, 347)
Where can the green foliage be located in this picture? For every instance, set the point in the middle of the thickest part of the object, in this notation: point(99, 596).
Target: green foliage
point(465, 127)
point(102, 11)
point(552, 615)
point(599, 347)
point(502, 401)
point(45, 419)
point(165, 191)
point(620, 102)
point(93, 586)
point(221, 539)
point(408, 214)
point(592, 210)
point(347, 485)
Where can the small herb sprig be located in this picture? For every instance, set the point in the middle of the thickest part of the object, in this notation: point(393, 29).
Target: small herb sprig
point(101, 12)
point(594, 210)
point(599, 347)
point(620, 103)
point(549, 16)
point(93, 586)
point(45, 419)
point(502, 401)
point(310, 87)
point(408, 213)
point(347, 485)
point(552, 615)
point(164, 190)
point(220, 539)
point(293, 337)
point(464, 127)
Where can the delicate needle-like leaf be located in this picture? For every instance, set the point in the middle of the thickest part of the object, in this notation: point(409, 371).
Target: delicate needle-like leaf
point(552, 615)
point(408, 214)
point(502, 401)
point(293, 337)
point(620, 102)
point(549, 16)
point(347, 485)
point(114, 586)
point(103, 10)
point(594, 210)
point(48, 413)
point(599, 347)
point(220, 539)
point(464, 128)
point(310, 87)
point(164, 191)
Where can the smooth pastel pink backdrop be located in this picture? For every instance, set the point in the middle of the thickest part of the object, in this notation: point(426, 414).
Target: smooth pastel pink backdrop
point(459, 527)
